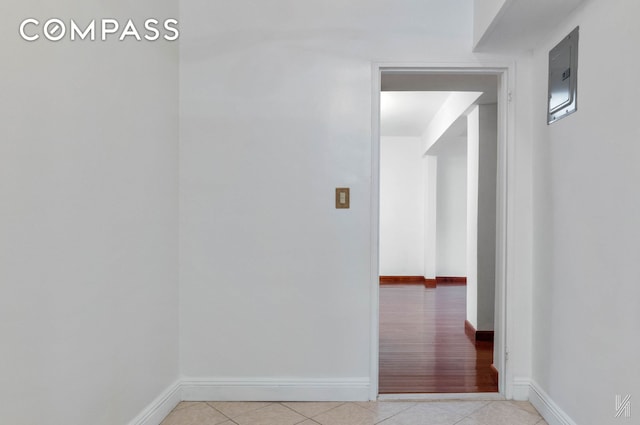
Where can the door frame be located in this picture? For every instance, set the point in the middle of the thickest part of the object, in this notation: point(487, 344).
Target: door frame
point(505, 172)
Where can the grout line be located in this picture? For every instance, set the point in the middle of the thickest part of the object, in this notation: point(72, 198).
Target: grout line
point(474, 411)
point(226, 416)
point(494, 402)
point(333, 408)
point(307, 419)
point(243, 413)
point(480, 407)
point(282, 403)
point(321, 413)
point(413, 404)
point(525, 410)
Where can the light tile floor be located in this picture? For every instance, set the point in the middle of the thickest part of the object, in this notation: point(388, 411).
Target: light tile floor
point(357, 413)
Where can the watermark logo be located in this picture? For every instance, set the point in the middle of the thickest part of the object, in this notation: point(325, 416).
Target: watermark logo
point(55, 29)
point(623, 406)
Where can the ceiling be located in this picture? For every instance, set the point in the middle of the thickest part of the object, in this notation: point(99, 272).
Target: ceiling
point(410, 100)
point(403, 80)
point(408, 113)
point(521, 24)
point(453, 142)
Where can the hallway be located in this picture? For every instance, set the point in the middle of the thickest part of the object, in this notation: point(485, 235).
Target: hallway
point(423, 345)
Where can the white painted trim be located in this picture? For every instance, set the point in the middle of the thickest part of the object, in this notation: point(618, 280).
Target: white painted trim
point(442, 396)
point(549, 410)
point(506, 172)
point(520, 389)
point(274, 389)
point(159, 408)
point(375, 230)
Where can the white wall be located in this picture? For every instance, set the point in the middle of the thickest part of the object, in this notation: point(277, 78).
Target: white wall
point(473, 165)
point(88, 220)
point(487, 216)
point(451, 219)
point(518, 269)
point(273, 108)
point(586, 209)
point(276, 104)
point(401, 207)
point(276, 113)
point(481, 215)
point(430, 198)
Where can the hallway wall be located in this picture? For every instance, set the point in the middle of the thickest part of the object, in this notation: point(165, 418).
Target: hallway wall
point(88, 219)
point(276, 105)
point(481, 216)
point(486, 226)
point(451, 217)
point(401, 207)
point(586, 209)
point(275, 113)
point(276, 286)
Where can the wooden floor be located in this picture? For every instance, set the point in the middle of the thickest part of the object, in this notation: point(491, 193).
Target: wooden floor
point(423, 345)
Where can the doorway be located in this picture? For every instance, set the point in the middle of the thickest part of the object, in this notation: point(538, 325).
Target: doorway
point(461, 79)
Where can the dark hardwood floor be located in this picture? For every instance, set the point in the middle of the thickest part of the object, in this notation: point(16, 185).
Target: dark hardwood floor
point(423, 345)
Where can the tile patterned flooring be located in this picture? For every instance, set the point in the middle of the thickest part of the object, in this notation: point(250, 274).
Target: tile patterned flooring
point(356, 413)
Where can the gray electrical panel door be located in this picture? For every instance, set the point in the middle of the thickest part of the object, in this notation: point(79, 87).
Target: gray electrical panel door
point(563, 78)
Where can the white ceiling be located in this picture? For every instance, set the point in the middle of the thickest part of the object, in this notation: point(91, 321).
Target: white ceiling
point(521, 24)
point(408, 113)
point(453, 142)
point(410, 100)
point(402, 80)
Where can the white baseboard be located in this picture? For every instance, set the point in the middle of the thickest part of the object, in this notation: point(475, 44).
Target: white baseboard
point(159, 408)
point(230, 389)
point(520, 389)
point(355, 389)
point(549, 410)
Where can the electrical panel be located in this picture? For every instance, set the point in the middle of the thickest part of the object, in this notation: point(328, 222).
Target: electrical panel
point(563, 78)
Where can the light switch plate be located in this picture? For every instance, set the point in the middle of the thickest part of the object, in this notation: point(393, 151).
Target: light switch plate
point(342, 197)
